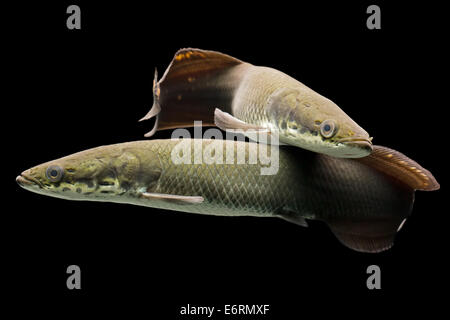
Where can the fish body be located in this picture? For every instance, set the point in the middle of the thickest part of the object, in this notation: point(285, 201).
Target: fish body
point(362, 200)
point(220, 90)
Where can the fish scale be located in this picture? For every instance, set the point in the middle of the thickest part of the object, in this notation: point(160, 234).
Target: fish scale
point(218, 184)
point(319, 186)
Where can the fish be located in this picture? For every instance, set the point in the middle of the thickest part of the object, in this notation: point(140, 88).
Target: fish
point(364, 201)
point(219, 90)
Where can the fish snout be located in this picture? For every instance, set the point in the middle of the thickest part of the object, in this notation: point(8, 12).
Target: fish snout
point(22, 181)
point(25, 180)
point(362, 144)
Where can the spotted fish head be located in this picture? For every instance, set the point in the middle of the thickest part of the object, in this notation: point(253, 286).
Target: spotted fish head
point(101, 173)
point(313, 122)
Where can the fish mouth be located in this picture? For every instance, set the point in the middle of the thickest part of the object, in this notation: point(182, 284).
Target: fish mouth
point(25, 181)
point(359, 142)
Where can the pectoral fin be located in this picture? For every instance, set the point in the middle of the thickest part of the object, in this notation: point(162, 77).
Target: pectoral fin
point(226, 121)
point(175, 199)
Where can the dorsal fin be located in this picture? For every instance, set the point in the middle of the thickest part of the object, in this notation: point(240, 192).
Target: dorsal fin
point(195, 83)
point(399, 166)
point(189, 62)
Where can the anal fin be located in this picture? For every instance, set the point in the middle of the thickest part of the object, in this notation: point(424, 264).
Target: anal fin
point(296, 220)
point(292, 217)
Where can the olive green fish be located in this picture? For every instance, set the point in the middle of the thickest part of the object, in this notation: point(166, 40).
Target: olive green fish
point(220, 90)
point(364, 201)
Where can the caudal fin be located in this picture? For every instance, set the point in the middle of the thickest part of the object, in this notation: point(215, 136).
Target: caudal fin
point(377, 234)
point(400, 167)
point(366, 235)
point(195, 83)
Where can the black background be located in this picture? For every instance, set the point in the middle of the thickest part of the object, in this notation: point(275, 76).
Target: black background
point(71, 90)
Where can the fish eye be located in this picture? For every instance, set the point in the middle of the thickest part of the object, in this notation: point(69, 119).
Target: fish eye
point(54, 173)
point(328, 128)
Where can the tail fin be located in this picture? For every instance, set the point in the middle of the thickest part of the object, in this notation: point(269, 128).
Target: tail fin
point(400, 167)
point(195, 83)
point(370, 236)
point(377, 234)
